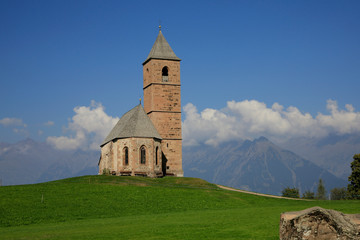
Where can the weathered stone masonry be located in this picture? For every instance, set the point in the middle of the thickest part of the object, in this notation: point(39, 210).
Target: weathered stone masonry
point(153, 131)
point(162, 102)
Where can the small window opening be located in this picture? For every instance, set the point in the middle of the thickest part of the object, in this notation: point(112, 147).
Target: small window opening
point(126, 156)
point(165, 74)
point(156, 155)
point(142, 155)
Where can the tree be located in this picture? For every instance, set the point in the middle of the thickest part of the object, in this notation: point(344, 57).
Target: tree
point(338, 193)
point(321, 191)
point(290, 192)
point(354, 178)
point(308, 195)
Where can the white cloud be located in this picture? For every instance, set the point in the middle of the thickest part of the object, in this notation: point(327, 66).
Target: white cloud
point(21, 131)
point(89, 126)
point(17, 125)
point(247, 119)
point(6, 122)
point(250, 119)
point(343, 121)
point(49, 123)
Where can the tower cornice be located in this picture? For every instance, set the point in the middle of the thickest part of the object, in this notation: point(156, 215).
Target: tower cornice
point(167, 84)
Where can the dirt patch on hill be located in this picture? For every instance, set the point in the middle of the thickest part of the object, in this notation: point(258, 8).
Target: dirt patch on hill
point(260, 194)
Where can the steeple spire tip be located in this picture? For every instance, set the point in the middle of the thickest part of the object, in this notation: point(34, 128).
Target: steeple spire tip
point(161, 49)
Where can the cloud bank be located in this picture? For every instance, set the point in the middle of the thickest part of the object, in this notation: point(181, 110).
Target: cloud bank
point(7, 122)
point(250, 119)
point(89, 127)
point(17, 125)
point(247, 119)
point(49, 123)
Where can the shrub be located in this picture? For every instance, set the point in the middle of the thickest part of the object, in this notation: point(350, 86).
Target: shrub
point(338, 193)
point(291, 192)
point(106, 171)
point(308, 195)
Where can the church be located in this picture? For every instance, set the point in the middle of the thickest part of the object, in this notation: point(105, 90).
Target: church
point(147, 140)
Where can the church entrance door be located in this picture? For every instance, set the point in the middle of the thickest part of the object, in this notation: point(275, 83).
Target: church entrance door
point(163, 164)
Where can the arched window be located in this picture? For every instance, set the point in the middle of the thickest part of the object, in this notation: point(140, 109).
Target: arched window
point(156, 155)
point(165, 74)
point(142, 155)
point(126, 156)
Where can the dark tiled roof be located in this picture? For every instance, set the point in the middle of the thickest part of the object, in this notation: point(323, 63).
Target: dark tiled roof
point(134, 123)
point(161, 50)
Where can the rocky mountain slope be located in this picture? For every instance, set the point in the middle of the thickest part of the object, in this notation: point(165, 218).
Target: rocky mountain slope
point(257, 165)
point(29, 161)
point(334, 153)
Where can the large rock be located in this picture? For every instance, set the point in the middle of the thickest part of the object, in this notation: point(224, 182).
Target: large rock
point(318, 223)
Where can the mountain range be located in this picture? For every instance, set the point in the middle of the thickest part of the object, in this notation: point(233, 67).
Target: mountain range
point(258, 165)
point(333, 152)
point(28, 161)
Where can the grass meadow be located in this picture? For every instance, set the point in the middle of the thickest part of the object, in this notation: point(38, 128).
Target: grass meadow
point(111, 207)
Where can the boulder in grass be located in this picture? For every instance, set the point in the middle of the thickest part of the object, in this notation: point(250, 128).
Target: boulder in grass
point(319, 223)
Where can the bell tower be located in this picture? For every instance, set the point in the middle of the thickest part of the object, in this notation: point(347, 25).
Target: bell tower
point(162, 102)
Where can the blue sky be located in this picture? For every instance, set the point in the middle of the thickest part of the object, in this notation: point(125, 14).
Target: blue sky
point(59, 55)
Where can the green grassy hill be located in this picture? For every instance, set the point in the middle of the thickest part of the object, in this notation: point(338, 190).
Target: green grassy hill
point(110, 207)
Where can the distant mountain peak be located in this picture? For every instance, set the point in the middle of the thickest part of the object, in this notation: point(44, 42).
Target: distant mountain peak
point(29, 161)
point(258, 165)
point(28, 141)
point(261, 139)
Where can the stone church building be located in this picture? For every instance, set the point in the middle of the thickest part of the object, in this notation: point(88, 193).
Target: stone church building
point(147, 140)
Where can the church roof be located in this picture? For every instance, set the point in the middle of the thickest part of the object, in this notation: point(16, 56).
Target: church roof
point(134, 123)
point(161, 50)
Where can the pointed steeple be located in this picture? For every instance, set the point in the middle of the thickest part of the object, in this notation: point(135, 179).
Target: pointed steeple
point(161, 49)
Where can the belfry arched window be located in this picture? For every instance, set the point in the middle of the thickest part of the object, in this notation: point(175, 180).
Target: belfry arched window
point(142, 155)
point(126, 156)
point(165, 74)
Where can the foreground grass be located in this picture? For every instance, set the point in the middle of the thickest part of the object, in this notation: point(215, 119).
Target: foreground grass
point(99, 207)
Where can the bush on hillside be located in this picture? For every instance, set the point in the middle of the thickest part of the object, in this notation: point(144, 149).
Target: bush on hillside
point(338, 193)
point(106, 171)
point(290, 192)
point(308, 195)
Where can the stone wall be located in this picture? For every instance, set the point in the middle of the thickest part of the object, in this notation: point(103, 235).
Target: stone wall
point(162, 97)
point(162, 103)
point(168, 124)
point(152, 71)
point(106, 157)
point(173, 152)
point(113, 157)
